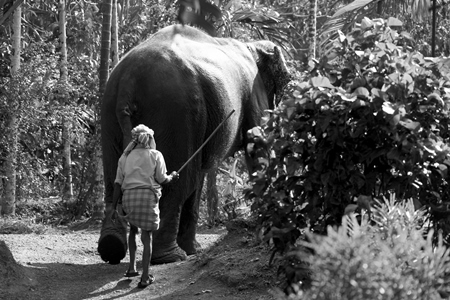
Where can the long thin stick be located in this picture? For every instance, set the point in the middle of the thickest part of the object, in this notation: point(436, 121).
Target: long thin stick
point(207, 140)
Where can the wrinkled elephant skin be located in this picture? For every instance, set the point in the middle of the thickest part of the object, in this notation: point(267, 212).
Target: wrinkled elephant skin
point(183, 83)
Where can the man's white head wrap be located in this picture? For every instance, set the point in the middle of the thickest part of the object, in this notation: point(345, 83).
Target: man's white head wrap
point(141, 135)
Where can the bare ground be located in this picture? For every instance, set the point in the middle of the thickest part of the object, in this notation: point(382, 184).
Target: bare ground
point(64, 264)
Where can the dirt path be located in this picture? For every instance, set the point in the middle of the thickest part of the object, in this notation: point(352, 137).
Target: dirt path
point(66, 265)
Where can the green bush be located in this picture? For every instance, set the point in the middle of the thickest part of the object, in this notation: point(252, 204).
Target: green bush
point(21, 226)
point(368, 119)
point(34, 96)
point(231, 181)
point(388, 260)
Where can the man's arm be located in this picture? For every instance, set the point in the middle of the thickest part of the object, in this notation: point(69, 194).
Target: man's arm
point(172, 177)
point(160, 172)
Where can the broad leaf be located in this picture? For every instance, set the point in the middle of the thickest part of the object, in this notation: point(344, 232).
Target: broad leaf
point(321, 82)
point(392, 22)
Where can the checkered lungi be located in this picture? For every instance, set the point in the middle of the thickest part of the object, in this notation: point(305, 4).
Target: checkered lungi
point(141, 208)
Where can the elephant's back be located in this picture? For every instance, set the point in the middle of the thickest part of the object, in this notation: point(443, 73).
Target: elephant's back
point(183, 46)
point(167, 34)
point(179, 61)
point(166, 41)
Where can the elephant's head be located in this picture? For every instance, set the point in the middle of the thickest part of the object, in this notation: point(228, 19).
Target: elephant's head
point(275, 76)
point(272, 68)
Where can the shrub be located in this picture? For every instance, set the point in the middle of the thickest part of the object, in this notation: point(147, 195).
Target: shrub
point(21, 226)
point(389, 260)
point(231, 178)
point(36, 101)
point(368, 119)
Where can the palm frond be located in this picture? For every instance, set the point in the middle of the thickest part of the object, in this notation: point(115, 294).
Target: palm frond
point(265, 23)
point(355, 5)
point(344, 16)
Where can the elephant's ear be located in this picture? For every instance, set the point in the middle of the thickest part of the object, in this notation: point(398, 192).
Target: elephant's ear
point(281, 73)
point(270, 60)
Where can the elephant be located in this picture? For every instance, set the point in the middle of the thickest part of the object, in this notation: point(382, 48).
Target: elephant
point(183, 83)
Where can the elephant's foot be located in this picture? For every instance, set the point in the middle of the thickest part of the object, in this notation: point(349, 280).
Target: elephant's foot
point(177, 254)
point(190, 246)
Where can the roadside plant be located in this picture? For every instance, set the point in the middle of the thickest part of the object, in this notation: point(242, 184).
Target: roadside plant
point(368, 120)
point(388, 257)
point(231, 181)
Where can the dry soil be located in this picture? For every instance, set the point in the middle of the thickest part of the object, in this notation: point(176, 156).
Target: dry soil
point(64, 264)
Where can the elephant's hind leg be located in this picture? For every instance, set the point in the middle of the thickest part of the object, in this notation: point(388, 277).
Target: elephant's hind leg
point(176, 254)
point(188, 221)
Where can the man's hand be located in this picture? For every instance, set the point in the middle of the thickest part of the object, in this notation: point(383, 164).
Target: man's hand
point(175, 176)
point(172, 177)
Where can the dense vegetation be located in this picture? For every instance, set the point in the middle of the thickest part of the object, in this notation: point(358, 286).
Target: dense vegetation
point(369, 120)
point(389, 257)
point(366, 119)
point(39, 99)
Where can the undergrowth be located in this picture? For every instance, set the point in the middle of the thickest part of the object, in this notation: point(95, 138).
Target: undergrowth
point(34, 216)
point(14, 225)
point(390, 255)
point(369, 119)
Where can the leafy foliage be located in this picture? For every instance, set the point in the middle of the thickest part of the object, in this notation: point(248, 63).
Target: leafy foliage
point(416, 16)
point(196, 12)
point(390, 259)
point(230, 182)
point(36, 99)
point(19, 226)
point(369, 119)
point(144, 19)
point(37, 96)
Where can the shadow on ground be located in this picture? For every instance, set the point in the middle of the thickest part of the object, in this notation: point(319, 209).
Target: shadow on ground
point(65, 266)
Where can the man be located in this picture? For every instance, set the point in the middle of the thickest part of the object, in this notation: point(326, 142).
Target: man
point(140, 173)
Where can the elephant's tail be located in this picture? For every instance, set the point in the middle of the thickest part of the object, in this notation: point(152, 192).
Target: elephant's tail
point(112, 244)
point(124, 216)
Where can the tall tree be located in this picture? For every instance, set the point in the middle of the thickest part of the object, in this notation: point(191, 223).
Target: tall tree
point(105, 45)
point(103, 77)
point(433, 30)
point(312, 28)
point(212, 196)
point(9, 201)
point(114, 35)
point(64, 87)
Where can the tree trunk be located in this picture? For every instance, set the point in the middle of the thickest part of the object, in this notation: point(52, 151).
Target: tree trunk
point(380, 7)
point(120, 12)
point(212, 196)
point(62, 41)
point(433, 29)
point(67, 193)
point(114, 36)
point(105, 45)
point(8, 206)
point(99, 189)
point(312, 28)
point(9, 201)
point(67, 161)
point(2, 3)
point(125, 9)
